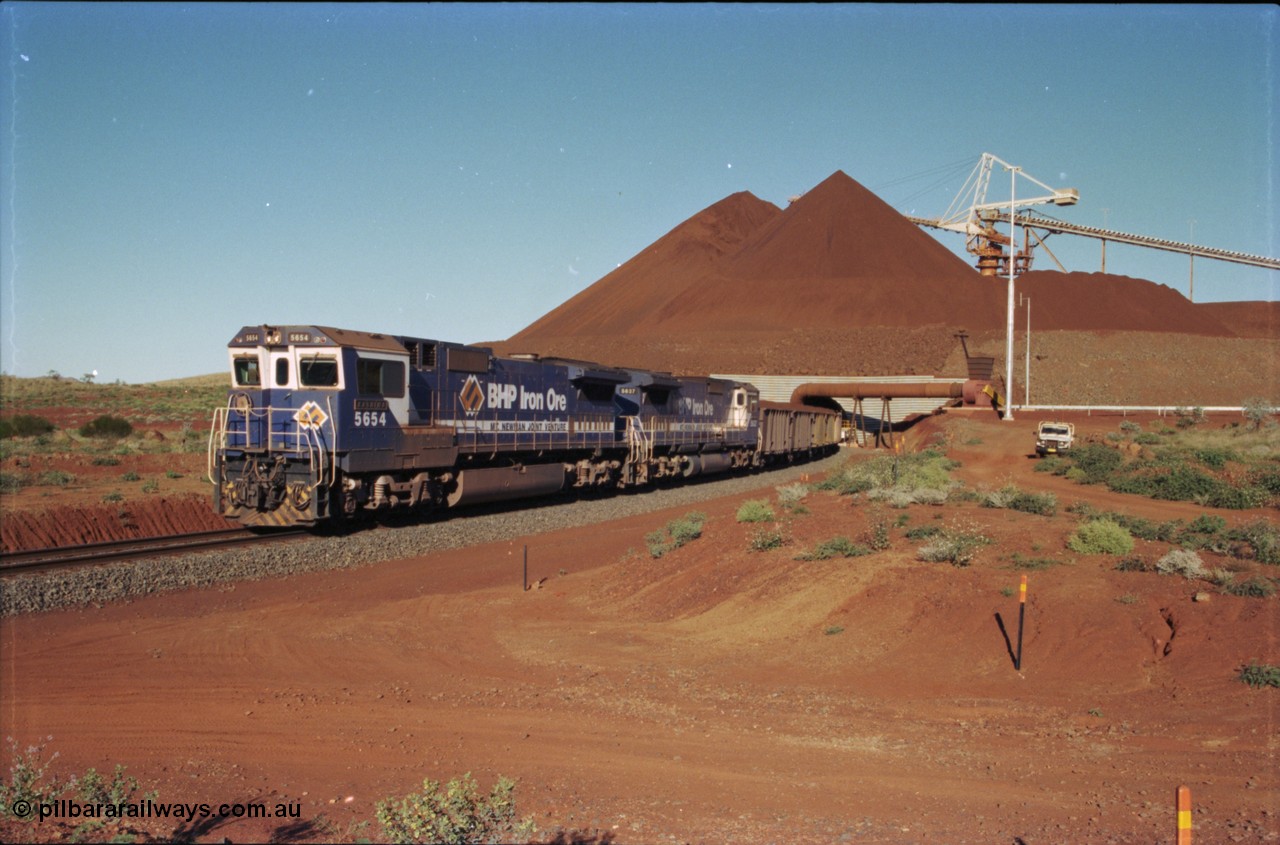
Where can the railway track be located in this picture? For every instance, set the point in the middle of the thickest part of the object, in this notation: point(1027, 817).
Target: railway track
point(88, 554)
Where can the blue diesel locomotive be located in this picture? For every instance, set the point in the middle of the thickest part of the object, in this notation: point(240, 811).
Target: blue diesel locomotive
point(324, 423)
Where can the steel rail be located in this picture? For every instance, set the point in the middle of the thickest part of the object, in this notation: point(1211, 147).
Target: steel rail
point(12, 563)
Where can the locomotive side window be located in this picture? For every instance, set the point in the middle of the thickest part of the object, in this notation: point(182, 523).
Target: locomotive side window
point(380, 378)
point(657, 397)
point(595, 392)
point(318, 372)
point(246, 371)
point(282, 372)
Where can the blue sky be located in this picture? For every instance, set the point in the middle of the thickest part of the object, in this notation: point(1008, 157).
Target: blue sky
point(173, 172)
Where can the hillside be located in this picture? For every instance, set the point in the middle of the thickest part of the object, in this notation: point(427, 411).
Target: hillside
point(840, 283)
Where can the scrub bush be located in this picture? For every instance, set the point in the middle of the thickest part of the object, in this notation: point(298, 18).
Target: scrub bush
point(835, 547)
point(455, 814)
point(1259, 675)
point(1255, 588)
point(1010, 497)
point(107, 426)
point(1096, 461)
point(1181, 562)
point(954, 546)
point(675, 534)
point(25, 425)
point(1101, 536)
point(756, 510)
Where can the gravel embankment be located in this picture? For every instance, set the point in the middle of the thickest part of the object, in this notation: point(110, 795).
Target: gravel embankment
point(113, 582)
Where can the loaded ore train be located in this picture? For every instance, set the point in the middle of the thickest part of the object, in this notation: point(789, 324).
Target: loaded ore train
point(323, 423)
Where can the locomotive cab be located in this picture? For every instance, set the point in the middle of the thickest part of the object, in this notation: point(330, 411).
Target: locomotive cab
point(301, 398)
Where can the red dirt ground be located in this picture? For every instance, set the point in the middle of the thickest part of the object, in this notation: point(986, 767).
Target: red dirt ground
point(698, 697)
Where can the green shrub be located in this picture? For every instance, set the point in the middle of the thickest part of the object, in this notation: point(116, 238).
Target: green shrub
point(908, 474)
point(1181, 562)
point(1145, 529)
point(756, 510)
point(107, 426)
point(1129, 427)
point(1034, 564)
point(1206, 524)
point(91, 788)
point(1137, 563)
point(1053, 464)
point(30, 778)
point(920, 532)
point(455, 813)
point(1237, 497)
point(1076, 474)
point(877, 536)
point(1178, 483)
point(1257, 588)
point(1101, 536)
point(1214, 458)
point(1262, 538)
point(791, 495)
point(1266, 477)
point(1147, 438)
point(1096, 461)
point(835, 547)
point(1189, 417)
point(1259, 675)
point(55, 478)
point(1009, 496)
point(956, 547)
point(675, 534)
point(12, 482)
point(766, 539)
point(1257, 412)
point(25, 425)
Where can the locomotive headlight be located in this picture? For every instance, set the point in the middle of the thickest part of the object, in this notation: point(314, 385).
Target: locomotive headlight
point(242, 403)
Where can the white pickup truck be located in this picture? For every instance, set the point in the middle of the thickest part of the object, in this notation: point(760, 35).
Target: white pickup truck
point(1053, 438)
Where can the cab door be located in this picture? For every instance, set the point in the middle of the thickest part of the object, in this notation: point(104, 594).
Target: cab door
point(739, 411)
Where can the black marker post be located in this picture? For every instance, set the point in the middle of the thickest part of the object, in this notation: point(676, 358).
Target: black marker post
point(1022, 613)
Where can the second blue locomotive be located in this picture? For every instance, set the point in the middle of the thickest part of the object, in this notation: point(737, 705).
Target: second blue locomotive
point(323, 423)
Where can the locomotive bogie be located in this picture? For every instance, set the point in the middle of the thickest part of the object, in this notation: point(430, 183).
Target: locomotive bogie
point(325, 423)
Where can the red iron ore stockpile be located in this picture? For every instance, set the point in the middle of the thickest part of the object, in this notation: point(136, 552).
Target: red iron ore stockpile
point(839, 282)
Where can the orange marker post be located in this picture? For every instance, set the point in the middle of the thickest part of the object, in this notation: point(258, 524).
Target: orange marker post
point(1184, 815)
point(1022, 613)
